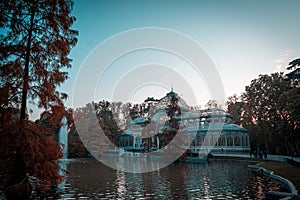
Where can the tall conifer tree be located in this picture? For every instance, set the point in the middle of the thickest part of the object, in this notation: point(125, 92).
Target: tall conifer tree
point(35, 40)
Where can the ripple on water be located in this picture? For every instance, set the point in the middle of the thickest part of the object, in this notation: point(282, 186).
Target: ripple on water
point(89, 179)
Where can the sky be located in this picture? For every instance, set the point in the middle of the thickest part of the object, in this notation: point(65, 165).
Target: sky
point(242, 38)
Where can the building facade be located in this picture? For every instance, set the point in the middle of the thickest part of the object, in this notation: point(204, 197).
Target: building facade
point(209, 130)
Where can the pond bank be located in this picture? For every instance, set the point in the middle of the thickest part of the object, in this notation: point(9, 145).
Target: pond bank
point(283, 169)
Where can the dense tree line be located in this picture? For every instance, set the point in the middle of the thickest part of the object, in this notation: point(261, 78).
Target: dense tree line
point(270, 109)
point(112, 117)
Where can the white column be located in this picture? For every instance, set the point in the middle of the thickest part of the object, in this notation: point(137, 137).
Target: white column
point(134, 137)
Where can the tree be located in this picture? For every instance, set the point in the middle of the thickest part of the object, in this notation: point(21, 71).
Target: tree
point(88, 126)
point(262, 110)
point(107, 120)
point(290, 106)
point(290, 117)
point(36, 38)
point(295, 66)
point(269, 109)
point(235, 108)
point(28, 149)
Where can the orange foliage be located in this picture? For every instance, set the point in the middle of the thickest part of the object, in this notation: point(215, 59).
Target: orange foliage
point(28, 148)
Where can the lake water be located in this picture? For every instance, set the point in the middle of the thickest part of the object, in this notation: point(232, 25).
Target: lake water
point(90, 179)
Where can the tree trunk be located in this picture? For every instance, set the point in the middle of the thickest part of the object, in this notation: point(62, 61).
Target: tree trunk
point(18, 187)
point(26, 68)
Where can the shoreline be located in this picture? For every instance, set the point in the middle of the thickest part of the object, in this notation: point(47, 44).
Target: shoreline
point(282, 171)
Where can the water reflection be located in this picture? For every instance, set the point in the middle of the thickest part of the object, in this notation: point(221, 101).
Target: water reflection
point(89, 178)
point(63, 168)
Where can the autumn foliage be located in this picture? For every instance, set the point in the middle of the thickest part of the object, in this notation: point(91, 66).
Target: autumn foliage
point(36, 39)
point(270, 109)
point(28, 149)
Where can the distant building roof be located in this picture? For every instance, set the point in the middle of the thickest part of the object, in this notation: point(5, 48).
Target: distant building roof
point(224, 127)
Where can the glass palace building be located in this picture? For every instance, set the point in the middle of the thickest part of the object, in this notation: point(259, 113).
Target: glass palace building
point(208, 130)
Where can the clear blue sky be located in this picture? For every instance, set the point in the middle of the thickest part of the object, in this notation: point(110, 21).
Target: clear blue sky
point(243, 38)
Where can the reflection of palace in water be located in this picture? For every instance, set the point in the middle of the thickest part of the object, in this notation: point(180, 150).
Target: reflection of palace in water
point(207, 130)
